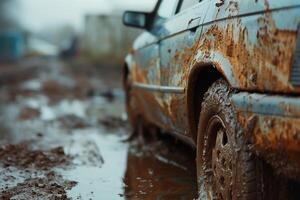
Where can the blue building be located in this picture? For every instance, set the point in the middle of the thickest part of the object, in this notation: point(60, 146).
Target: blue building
point(11, 45)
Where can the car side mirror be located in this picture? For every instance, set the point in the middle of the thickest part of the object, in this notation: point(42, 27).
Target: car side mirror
point(135, 19)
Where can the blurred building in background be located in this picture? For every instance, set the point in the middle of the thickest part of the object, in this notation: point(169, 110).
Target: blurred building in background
point(11, 35)
point(67, 28)
point(11, 45)
point(106, 38)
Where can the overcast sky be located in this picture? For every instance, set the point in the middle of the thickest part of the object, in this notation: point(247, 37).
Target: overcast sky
point(39, 14)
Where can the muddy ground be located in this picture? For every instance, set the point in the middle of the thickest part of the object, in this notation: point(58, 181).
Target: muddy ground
point(63, 134)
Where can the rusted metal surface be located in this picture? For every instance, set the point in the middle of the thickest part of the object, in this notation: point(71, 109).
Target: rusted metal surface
point(276, 139)
point(255, 51)
point(272, 125)
point(251, 43)
point(285, 106)
point(252, 48)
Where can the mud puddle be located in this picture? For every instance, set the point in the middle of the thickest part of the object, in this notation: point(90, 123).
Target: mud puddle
point(62, 133)
point(162, 169)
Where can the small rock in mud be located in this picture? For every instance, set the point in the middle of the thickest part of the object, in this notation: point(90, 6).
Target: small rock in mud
point(112, 122)
point(21, 156)
point(52, 186)
point(29, 113)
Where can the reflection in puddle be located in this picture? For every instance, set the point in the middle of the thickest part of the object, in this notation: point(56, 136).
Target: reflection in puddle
point(125, 174)
point(149, 178)
point(98, 182)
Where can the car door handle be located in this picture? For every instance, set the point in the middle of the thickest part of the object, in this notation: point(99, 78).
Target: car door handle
point(220, 3)
point(193, 30)
point(192, 35)
point(193, 24)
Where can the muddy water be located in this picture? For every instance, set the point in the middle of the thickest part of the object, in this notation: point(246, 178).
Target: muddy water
point(98, 177)
point(149, 178)
point(72, 125)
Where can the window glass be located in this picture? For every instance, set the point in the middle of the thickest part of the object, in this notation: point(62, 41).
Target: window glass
point(188, 3)
point(166, 8)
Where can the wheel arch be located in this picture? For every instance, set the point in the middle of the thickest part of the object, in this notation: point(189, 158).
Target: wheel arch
point(201, 77)
point(125, 73)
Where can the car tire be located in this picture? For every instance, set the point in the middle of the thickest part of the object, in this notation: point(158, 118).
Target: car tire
point(226, 168)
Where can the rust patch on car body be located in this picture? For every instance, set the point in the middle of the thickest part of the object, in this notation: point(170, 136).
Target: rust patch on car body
point(271, 124)
point(276, 139)
point(260, 66)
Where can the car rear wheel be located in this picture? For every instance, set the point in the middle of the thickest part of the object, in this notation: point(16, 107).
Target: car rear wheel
point(226, 168)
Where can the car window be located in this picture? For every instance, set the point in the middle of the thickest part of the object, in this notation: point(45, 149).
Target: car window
point(188, 3)
point(166, 8)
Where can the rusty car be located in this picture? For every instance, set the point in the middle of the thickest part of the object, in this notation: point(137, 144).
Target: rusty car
point(224, 77)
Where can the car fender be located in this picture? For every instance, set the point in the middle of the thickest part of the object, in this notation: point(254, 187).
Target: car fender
point(220, 63)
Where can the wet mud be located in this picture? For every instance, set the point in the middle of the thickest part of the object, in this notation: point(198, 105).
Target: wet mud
point(51, 186)
point(63, 135)
point(22, 157)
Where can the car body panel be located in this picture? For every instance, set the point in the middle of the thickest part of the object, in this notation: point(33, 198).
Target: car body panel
point(146, 71)
point(251, 44)
point(175, 65)
point(272, 124)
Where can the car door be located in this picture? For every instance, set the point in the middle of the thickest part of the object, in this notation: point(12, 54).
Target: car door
point(146, 72)
point(177, 46)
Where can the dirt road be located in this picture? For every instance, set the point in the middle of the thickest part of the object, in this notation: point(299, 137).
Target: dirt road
point(62, 136)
